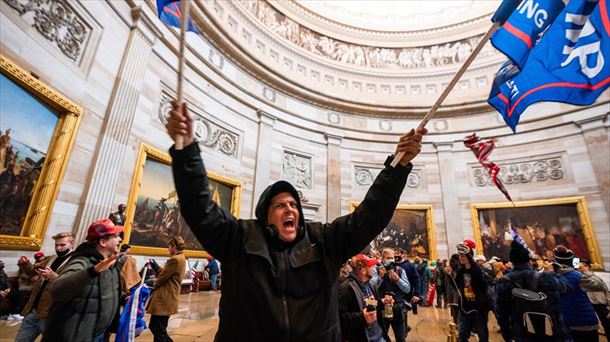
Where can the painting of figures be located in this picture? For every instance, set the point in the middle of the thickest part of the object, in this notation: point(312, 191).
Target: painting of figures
point(410, 229)
point(156, 216)
point(26, 130)
point(542, 224)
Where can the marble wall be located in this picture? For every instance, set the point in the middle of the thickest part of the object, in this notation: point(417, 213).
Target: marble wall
point(126, 72)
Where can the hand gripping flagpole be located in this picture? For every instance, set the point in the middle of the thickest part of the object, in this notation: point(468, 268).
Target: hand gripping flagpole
point(184, 18)
point(503, 12)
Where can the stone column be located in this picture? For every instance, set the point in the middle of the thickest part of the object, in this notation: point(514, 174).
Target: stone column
point(333, 178)
point(595, 132)
point(263, 155)
point(453, 219)
point(114, 136)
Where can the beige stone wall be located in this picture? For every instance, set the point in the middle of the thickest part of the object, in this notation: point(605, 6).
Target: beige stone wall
point(228, 97)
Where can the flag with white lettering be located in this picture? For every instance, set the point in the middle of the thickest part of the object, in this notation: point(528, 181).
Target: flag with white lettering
point(527, 23)
point(131, 321)
point(570, 64)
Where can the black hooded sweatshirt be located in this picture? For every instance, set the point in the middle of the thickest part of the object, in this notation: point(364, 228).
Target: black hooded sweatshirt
point(272, 290)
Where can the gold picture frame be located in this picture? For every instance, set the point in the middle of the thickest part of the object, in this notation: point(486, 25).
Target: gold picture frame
point(563, 221)
point(416, 210)
point(144, 217)
point(46, 187)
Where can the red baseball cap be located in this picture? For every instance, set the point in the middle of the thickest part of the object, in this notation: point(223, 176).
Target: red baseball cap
point(367, 261)
point(39, 255)
point(101, 228)
point(470, 243)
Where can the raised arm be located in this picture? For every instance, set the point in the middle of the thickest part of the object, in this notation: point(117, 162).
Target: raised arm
point(349, 234)
point(72, 279)
point(214, 227)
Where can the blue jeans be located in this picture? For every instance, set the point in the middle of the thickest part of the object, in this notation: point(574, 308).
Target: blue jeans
point(476, 322)
point(213, 281)
point(31, 327)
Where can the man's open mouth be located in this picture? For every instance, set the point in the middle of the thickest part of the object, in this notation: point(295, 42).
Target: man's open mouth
point(289, 223)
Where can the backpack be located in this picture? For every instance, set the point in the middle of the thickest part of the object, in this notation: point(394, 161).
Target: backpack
point(531, 309)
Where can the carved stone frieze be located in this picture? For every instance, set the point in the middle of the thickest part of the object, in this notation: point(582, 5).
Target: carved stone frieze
point(297, 169)
point(540, 170)
point(361, 55)
point(365, 176)
point(208, 133)
point(57, 22)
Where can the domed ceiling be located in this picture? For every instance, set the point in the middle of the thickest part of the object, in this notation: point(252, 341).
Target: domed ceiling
point(388, 58)
point(395, 16)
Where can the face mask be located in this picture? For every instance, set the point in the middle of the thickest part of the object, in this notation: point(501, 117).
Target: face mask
point(63, 253)
point(388, 261)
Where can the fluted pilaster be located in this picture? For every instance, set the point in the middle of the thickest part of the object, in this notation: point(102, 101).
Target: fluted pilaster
point(333, 186)
point(115, 131)
point(595, 132)
point(453, 220)
point(263, 155)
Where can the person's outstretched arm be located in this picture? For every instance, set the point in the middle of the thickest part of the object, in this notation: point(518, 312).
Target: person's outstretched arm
point(349, 234)
point(214, 227)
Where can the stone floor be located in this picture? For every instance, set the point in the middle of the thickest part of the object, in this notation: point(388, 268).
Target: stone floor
point(197, 320)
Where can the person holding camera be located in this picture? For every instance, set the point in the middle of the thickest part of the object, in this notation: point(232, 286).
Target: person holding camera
point(393, 281)
point(358, 303)
point(472, 291)
point(37, 307)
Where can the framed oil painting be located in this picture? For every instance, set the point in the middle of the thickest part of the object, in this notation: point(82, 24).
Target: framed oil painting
point(153, 212)
point(411, 228)
point(37, 130)
point(543, 224)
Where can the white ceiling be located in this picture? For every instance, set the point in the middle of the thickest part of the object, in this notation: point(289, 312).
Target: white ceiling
point(400, 15)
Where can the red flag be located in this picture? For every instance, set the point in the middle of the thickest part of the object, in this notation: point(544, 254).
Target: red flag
point(482, 150)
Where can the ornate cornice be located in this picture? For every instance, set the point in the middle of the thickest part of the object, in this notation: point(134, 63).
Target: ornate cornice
point(274, 62)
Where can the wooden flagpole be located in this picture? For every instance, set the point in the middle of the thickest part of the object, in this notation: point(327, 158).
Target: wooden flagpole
point(452, 84)
point(184, 19)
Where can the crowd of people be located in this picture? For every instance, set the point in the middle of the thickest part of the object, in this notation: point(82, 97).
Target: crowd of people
point(78, 293)
point(532, 299)
point(285, 278)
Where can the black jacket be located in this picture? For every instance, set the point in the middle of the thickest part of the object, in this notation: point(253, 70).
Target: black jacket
point(351, 304)
point(272, 291)
point(478, 284)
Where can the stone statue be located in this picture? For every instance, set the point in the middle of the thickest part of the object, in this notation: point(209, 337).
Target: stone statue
point(118, 217)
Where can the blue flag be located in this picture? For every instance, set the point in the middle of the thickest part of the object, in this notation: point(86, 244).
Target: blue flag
point(524, 27)
point(131, 322)
point(170, 13)
point(570, 64)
